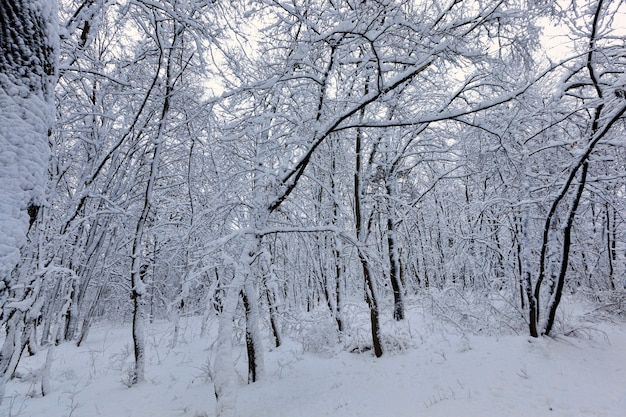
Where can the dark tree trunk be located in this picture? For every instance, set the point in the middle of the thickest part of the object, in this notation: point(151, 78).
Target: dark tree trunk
point(252, 370)
point(567, 240)
point(271, 302)
point(394, 271)
point(361, 233)
point(372, 302)
point(338, 289)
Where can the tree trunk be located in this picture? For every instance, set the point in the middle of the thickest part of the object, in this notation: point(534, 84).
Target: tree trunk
point(224, 375)
point(28, 69)
point(253, 336)
point(567, 239)
point(272, 297)
point(394, 261)
point(372, 302)
point(338, 287)
point(361, 233)
point(28, 64)
point(610, 243)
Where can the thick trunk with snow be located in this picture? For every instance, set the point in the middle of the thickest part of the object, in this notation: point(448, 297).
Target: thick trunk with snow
point(27, 76)
point(28, 56)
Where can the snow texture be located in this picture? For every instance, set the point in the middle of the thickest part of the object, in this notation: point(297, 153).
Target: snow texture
point(436, 371)
point(24, 156)
point(26, 115)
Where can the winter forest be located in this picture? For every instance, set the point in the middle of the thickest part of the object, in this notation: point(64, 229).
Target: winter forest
point(271, 179)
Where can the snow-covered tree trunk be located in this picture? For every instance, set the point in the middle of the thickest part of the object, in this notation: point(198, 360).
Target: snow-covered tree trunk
point(392, 244)
point(138, 284)
point(253, 334)
point(224, 375)
point(272, 296)
point(28, 68)
point(28, 47)
point(362, 231)
point(137, 279)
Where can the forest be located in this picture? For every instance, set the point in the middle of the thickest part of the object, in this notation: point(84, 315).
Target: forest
point(252, 163)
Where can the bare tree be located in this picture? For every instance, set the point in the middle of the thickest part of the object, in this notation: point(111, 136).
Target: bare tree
point(596, 87)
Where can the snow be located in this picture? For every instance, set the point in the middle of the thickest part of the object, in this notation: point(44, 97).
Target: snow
point(26, 114)
point(436, 370)
point(24, 154)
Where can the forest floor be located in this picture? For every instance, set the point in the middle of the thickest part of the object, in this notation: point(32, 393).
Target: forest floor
point(433, 366)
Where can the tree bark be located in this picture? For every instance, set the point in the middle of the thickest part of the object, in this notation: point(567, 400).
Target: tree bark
point(394, 261)
point(567, 241)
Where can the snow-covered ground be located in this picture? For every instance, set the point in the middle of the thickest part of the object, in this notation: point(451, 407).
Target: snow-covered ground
point(432, 368)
